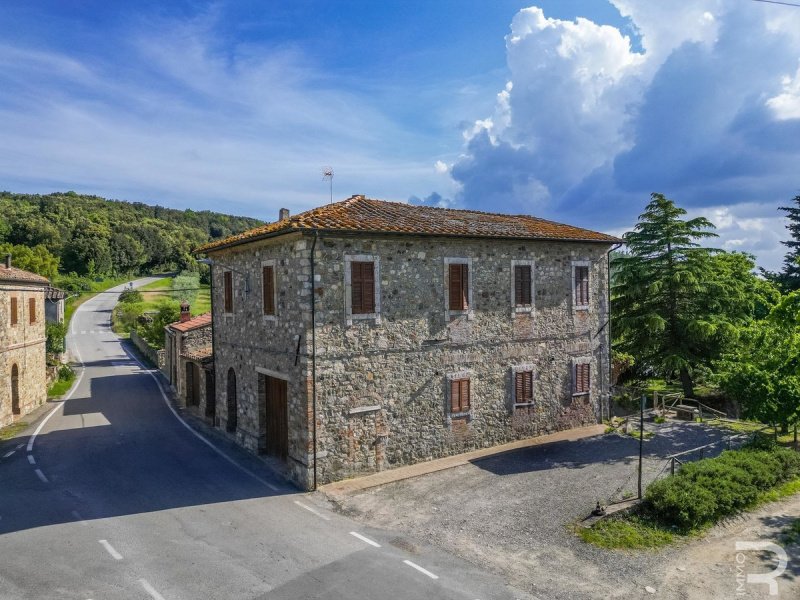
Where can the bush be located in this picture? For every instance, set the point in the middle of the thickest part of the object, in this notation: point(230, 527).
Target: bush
point(762, 441)
point(56, 332)
point(65, 373)
point(130, 296)
point(710, 489)
point(126, 315)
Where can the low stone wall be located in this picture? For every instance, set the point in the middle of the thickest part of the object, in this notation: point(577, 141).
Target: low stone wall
point(155, 356)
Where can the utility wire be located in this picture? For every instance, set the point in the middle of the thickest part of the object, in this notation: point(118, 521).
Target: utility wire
point(778, 2)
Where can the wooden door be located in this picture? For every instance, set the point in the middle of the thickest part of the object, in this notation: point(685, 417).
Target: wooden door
point(277, 417)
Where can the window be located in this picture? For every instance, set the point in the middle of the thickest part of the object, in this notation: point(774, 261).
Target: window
point(522, 285)
point(362, 287)
point(523, 387)
point(362, 294)
point(228, 290)
point(459, 395)
point(580, 284)
point(459, 287)
point(32, 310)
point(14, 308)
point(268, 279)
point(581, 379)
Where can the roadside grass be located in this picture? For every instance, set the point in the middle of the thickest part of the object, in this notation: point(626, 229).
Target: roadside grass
point(61, 385)
point(9, 431)
point(786, 439)
point(631, 533)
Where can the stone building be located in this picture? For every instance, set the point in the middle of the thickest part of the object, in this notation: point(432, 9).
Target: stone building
point(54, 305)
point(365, 335)
point(22, 342)
point(188, 362)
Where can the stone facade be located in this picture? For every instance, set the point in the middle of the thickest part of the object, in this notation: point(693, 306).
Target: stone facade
point(22, 349)
point(188, 363)
point(383, 382)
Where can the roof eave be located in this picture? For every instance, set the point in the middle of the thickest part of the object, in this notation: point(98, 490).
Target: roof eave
point(352, 232)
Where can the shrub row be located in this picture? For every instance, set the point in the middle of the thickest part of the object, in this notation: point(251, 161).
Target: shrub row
point(708, 490)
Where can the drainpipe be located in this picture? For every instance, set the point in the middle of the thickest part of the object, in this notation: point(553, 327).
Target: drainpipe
point(608, 318)
point(314, 357)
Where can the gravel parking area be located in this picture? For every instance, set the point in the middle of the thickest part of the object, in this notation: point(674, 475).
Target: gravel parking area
point(513, 513)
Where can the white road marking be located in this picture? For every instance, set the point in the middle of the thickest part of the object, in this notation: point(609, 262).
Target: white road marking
point(244, 470)
point(31, 459)
point(78, 517)
point(41, 476)
point(420, 569)
point(110, 549)
point(150, 589)
point(18, 446)
point(83, 332)
point(7, 454)
point(311, 510)
point(365, 539)
point(60, 404)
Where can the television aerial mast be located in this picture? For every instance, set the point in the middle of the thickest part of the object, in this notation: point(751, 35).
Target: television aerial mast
point(327, 173)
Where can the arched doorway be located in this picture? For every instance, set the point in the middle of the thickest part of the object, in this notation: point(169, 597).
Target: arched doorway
point(232, 404)
point(14, 390)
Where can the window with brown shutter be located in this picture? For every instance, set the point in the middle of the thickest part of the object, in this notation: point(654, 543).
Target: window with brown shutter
point(14, 316)
point(32, 310)
point(522, 285)
point(581, 286)
point(268, 276)
point(362, 286)
point(582, 381)
point(459, 287)
point(228, 290)
point(523, 387)
point(459, 395)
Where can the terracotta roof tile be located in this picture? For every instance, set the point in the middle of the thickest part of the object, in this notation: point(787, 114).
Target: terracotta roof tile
point(15, 274)
point(193, 323)
point(365, 215)
point(200, 354)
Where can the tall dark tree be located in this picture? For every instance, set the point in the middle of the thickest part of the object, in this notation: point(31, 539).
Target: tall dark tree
point(675, 303)
point(789, 278)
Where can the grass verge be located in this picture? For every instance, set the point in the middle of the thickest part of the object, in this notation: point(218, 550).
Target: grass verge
point(8, 432)
point(61, 385)
point(632, 533)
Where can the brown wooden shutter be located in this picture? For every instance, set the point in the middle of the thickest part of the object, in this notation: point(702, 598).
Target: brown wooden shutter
point(13, 310)
point(268, 275)
point(522, 285)
point(459, 287)
point(586, 382)
point(228, 289)
point(523, 385)
point(362, 285)
point(581, 286)
point(455, 396)
point(582, 378)
point(32, 310)
point(465, 391)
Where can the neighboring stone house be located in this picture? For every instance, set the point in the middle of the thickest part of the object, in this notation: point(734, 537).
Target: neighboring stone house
point(426, 332)
point(188, 362)
point(54, 301)
point(22, 342)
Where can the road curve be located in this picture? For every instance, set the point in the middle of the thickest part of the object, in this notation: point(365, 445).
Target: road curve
point(117, 498)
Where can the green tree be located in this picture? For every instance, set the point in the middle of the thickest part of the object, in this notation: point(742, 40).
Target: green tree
point(675, 304)
point(37, 259)
point(762, 371)
point(789, 278)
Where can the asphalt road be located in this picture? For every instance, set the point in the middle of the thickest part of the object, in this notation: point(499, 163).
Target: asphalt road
point(114, 496)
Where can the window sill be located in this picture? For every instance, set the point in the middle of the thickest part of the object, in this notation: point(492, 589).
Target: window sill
point(363, 317)
point(581, 308)
point(460, 415)
point(269, 318)
point(523, 404)
point(524, 309)
point(577, 394)
point(460, 313)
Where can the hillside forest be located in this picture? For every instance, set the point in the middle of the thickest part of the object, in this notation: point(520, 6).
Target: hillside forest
point(69, 233)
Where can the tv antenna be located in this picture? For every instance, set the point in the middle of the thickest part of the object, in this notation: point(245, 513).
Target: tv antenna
point(327, 173)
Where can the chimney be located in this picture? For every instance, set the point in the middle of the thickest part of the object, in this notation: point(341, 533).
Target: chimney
point(185, 314)
point(8, 261)
point(283, 214)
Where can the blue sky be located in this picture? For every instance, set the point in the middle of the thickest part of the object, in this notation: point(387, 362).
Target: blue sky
point(574, 111)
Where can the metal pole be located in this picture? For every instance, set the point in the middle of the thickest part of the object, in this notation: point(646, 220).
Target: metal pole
point(641, 440)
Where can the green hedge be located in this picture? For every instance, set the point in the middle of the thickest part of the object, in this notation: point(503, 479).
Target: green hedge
point(708, 490)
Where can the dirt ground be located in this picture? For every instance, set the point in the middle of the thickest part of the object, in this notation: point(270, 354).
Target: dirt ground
point(515, 513)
